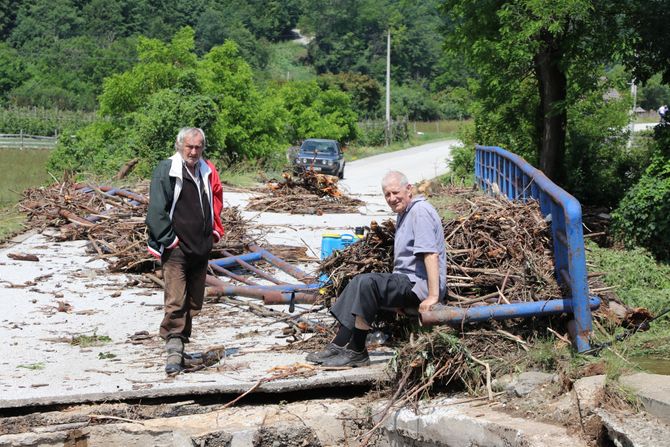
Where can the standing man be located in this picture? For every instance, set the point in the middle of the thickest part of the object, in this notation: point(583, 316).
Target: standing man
point(419, 276)
point(184, 220)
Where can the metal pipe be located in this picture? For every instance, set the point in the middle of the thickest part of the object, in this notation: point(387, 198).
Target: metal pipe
point(268, 296)
point(214, 281)
point(232, 275)
point(280, 263)
point(231, 261)
point(255, 270)
point(457, 316)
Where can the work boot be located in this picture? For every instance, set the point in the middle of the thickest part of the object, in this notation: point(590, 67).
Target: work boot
point(175, 355)
point(331, 350)
point(348, 357)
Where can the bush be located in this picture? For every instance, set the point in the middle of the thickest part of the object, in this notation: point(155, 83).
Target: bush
point(600, 165)
point(462, 163)
point(98, 148)
point(642, 216)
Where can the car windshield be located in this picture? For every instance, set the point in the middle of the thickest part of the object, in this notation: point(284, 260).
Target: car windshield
point(319, 147)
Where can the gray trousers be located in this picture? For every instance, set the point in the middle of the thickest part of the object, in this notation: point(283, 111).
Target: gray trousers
point(367, 293)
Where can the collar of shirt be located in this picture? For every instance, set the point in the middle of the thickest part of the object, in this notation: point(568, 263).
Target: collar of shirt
point(402, 215)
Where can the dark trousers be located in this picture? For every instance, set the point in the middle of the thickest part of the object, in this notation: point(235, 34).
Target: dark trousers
point(366, 294)
point(184, 292)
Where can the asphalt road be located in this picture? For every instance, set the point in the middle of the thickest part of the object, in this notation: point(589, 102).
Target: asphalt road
point(363, 177)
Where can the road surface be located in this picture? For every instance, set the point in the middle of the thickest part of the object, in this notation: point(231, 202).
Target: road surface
point(362, 177)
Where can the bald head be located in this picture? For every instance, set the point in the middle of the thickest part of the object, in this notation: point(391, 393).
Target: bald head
point(394, 177)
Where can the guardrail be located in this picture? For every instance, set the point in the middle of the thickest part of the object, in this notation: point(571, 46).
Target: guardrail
point(24, 141)
point(497, 170)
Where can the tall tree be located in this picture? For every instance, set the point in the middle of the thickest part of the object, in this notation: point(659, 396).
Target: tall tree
point(547, 46)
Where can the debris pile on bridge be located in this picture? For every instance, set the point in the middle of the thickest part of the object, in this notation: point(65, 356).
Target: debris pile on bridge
point(496, 253)
point(306, 193)
point(112, 223)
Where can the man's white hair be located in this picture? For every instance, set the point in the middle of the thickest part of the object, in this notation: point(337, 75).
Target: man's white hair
point(394, 176)
point(188, 131)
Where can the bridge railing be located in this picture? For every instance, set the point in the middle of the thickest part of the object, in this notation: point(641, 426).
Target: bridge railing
point(497, 170)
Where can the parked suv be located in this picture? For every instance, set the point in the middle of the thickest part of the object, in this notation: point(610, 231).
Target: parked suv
point(320, 155)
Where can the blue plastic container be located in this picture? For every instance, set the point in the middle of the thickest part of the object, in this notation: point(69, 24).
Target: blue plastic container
point(335, 241)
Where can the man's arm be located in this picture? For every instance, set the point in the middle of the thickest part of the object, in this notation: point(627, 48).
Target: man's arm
point(158, 213)
point(432, 263)
point(217, 201)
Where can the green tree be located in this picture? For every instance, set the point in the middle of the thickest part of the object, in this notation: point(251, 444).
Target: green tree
point(7, 18)
point(12, 69)
point(41, 22)
point(649, 47)
point(365, 92)
point(654, 93)
point(530, 44)
point(170, 86)
point(317, 113)
point(160, 66)
point(272, 19)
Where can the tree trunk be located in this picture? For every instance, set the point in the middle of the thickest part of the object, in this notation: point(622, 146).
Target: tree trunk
point(553, 116)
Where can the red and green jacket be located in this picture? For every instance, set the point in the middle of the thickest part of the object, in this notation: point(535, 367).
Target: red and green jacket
point(166, 185)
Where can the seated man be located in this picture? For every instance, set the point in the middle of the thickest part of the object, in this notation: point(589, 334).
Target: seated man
point(419, 276)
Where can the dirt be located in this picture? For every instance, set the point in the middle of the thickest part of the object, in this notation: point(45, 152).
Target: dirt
point(294, 437)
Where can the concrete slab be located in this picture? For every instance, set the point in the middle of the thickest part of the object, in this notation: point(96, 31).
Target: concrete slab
point(41, 363)
point(446, 421)
point(654, 392)
point(634, 430)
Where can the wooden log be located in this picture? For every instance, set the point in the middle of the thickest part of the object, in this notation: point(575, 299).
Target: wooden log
point(23, 257)
point(126, 169)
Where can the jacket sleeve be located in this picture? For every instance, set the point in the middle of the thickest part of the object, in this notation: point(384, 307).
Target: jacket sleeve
point(161, 233)
point(217, 201)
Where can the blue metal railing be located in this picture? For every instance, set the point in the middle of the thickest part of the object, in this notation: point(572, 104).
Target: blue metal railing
point(499, 170)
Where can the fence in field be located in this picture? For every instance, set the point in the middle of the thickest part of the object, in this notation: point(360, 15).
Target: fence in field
point(25, 141)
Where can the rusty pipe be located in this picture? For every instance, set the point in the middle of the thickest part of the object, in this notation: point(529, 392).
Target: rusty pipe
point(456, 315)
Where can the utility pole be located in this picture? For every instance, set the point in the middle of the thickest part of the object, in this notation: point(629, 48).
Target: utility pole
point(388, 88)
point(633, 93)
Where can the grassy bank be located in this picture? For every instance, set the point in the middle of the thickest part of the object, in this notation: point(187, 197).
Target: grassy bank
point(639, 281)
point(19, 170)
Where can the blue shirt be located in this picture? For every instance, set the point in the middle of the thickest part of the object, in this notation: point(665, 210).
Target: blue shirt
point(419, 231)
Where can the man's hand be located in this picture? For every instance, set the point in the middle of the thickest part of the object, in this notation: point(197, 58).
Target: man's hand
point(428, 303)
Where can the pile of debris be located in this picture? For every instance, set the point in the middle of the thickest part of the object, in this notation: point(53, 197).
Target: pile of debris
point(111, 220)
point(496, 253)
point(307, 193)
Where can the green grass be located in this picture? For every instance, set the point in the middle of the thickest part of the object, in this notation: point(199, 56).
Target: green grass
point(640, 281)
point(21, 169)
point(11, 222)
point(285, 62)
point(86, 341)
point(33, 366)
point(436, 127)
point(638, 278)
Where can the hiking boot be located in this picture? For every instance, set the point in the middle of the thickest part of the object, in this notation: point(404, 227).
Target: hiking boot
point(175, 355)
point(348, 358)
point(331, 350)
